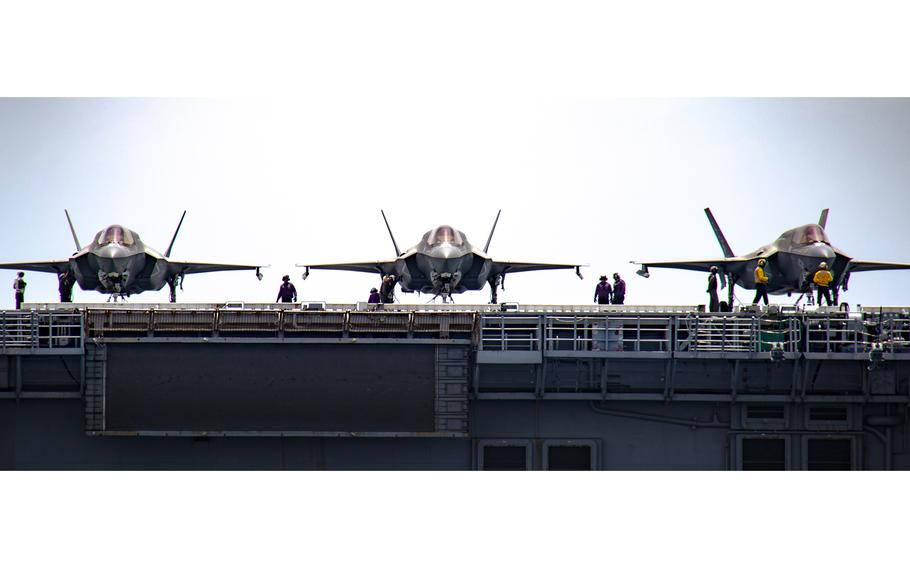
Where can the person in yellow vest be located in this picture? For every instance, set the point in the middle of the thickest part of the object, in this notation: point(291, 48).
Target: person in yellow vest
point(761, 282)
point(823, 279)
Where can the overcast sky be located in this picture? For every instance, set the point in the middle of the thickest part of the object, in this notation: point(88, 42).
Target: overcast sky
point(598, 181)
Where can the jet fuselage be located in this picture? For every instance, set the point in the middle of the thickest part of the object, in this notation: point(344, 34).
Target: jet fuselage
point(117, 262)
point(443, 263)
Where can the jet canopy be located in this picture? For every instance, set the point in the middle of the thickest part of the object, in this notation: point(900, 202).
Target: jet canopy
point(116, 234)
point(445, 234)
point(809, 234)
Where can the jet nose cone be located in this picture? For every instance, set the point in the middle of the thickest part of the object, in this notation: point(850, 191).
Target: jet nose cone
point(820, 251)
point(446, 251)
point(112, 251)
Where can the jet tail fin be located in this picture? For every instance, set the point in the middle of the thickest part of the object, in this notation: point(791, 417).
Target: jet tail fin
point(824, 218)
point(167, 253)
point(724, 246)
point(490, 238)
point(394, 244)
point(72, 230)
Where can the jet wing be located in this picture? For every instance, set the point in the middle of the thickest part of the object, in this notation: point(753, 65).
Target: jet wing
point(508, 267)
point(200, 267)
point(375, 267)
point(869, 265)
point(723, 264)
point(54, 266)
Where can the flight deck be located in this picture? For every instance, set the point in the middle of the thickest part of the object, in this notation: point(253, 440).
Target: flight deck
point(453, 386)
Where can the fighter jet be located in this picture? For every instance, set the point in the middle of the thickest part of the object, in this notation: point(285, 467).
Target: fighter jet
point(443, 263)
point(791, 260)
point(118, 263)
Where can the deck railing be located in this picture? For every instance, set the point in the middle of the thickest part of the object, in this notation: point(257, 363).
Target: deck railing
point(35, 332)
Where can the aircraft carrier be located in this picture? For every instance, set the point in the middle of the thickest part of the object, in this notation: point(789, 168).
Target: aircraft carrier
point(452, 387)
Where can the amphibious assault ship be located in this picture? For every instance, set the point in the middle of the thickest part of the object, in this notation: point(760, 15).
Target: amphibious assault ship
point(486, 387)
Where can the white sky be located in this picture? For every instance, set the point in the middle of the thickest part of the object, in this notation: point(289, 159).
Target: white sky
point(598, 181)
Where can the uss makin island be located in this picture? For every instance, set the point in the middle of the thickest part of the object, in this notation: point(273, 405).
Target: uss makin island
point(510, 387)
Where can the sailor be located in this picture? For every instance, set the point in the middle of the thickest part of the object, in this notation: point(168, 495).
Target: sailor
point(19, 285)
point(287, 292)
point(713, 300)
point(65, 286)
point(603, 291)
point(374, 296)
point(761, 282)
point(619, 289)
point(387, 289)
point(822, 280)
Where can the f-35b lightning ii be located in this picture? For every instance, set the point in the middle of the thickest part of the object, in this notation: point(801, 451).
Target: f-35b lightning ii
point(443, 263)
point(118, 263)
point(791, 260)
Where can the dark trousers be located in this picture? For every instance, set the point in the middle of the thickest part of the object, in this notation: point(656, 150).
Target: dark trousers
point(618, 299)
point(603, 299)
point(824, 291)
point(761, 291)
point(20, 297)
point(713, 301)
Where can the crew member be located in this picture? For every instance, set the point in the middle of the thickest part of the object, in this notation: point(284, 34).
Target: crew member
point(19, 285)
point(619, 289)
point(761, 282)
point(603, 291)
point(287, 292)
point(65, 286)
point(387, 289)
point(713, 300)
point(822, 279)
point(374, 296)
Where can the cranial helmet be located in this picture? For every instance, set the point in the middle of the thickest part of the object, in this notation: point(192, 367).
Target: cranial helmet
point(761, 262)
point(823, 265)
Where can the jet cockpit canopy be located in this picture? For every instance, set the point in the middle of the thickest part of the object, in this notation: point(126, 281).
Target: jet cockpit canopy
point(116, 234)
point(809, 234)
point(445, 234)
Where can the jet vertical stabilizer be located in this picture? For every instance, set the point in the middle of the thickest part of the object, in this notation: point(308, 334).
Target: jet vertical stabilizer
point(725, 247)
point(394, 244)
point(823, 218)
point(490, 238)
point(167, 253)
point(72, 230)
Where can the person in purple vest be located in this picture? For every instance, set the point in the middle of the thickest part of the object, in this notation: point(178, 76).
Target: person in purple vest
point(374, 296)
point(286, 292)
point(603, 291)
point(619, 289)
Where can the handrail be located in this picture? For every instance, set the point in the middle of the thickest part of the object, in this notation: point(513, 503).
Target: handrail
point(37, 332)
point(629, 329)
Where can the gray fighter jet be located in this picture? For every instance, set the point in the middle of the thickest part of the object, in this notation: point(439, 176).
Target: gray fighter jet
point(118, 263)
point(791, 260)
point(443, 263)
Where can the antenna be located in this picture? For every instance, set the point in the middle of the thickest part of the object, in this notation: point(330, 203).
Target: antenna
point(394, 244)
point(824, 218)
point(490, 238)
point(167, 253)
point(724, 246)
point(72, 230)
